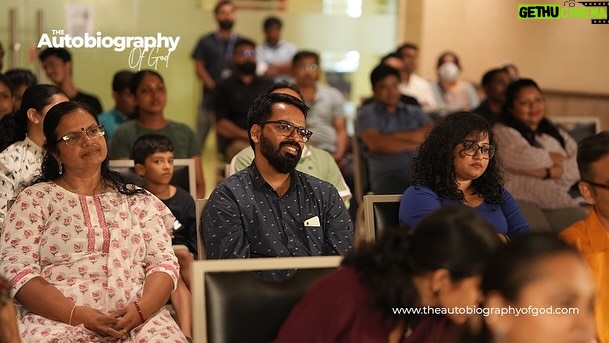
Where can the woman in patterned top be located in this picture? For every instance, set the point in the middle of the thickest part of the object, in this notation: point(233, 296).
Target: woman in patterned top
point(89, 242)
point(21, 140)
point(539, 158)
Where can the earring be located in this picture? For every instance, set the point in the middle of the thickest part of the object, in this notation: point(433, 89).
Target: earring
point(60, 168)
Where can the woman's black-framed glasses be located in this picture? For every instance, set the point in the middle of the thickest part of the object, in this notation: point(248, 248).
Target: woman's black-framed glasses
point(599, 185)
point(470, 148)
point(287, 129)
point(92, 132)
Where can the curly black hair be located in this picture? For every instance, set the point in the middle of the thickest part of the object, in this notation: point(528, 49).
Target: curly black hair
point(434, 165)
point(454, 238)
point(50, 169)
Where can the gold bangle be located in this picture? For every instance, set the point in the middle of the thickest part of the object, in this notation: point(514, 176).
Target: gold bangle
point(71, 315)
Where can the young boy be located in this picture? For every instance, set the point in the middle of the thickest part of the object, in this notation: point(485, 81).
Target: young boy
point(153, 157)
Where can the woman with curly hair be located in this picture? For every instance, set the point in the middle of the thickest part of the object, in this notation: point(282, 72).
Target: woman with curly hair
point(457, 164)
point(437, 269)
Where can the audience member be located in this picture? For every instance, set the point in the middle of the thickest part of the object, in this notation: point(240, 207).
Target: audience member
point(394, 60)
point(494, 83)
point(527, 284)
point(327, 115)
point(591, 235)
point(411, 83)
point(451, 93)
point(234, 96)
point(150, 94)
point(539, 157)
point(212, 57)
point(124, 103)
point(57, 64)
point(98, 250)
point(269, 209)
point(20, 79)
point(6, 97)
point(21, 141)
point(313, 161)
point(153, 158)
point(456, 165)
point(275, 55)
point(390, 132)
point(437, 267)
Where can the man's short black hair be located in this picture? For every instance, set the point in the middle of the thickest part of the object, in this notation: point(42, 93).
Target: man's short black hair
point(406, 45)
point(222, 3)
point(590, 150)
point(380, 72)
point(260, 111)
point(490, 75)
point(122, 80)
point(302, 54)
point(19, 76)
point(148, 144)
point(62, 53)
point(271, 21)
point(244, 41)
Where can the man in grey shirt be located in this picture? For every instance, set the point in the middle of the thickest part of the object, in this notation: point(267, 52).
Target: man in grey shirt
point(269, 209)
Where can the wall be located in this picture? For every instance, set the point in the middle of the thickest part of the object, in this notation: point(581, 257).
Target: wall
point(565, 54)
point(308, 23)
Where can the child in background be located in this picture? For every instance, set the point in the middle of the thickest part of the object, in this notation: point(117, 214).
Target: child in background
point(153, 157)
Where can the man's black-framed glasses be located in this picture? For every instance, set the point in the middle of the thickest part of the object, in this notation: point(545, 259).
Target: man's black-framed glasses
point(287, 129)
point(599, 185)
point(470, 148)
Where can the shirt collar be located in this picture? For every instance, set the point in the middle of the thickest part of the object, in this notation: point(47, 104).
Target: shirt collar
point(260, 182)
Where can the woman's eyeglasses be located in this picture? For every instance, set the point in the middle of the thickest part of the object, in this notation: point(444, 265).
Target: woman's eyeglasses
point(287, 129)
point(471, 148)
point(74, 138)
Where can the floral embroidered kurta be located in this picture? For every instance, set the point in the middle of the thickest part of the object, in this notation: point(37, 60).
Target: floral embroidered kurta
point(96, 250)
point(18, 164)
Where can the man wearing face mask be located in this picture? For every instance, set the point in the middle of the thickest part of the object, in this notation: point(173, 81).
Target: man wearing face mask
point(269, 209)
point(451, 93)
point(213, 62)
point(234, 96)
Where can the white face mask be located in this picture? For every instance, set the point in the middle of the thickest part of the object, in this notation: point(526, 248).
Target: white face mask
point(448, 71)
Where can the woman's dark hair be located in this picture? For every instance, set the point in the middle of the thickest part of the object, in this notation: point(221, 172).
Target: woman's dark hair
point(512, 267)
point(13, 127)
point(135, 82)
point(434, 165)
point(507, 117)
point(50, 169)
point(453, 238)
point(440, 60)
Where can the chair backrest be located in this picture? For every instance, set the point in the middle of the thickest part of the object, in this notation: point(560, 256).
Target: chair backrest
point(199, 205)
point(183, 173)
point(360, 169)
point(380, 211)
point(578, 127)
point(232, 304)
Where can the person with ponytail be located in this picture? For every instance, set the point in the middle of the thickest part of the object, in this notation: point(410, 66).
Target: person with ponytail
point(21, 140)
point(435, 268)
point(88, 256)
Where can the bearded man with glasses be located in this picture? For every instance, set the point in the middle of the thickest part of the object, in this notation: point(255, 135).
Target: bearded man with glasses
point(269, 209)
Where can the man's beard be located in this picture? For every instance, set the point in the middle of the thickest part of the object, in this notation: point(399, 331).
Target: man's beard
point(226, 24)
point(247, 68)
point(282, 162)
